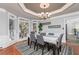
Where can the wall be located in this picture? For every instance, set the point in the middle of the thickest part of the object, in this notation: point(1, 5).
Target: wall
point(3, 28)
point(54, 22)
point(3, 23)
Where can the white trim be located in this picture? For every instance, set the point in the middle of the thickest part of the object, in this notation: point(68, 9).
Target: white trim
point(3, 10)
point(10, 14)
point(23, 18)
point(67, 5)
point(27, 10)
point(13, 17)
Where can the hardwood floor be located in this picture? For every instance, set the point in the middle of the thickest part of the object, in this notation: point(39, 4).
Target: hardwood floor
point(74, 46)
point(11, 50)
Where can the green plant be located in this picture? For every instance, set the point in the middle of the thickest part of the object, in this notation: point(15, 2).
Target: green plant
point(40, 26)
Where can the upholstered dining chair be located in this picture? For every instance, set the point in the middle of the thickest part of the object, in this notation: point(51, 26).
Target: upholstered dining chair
point(40, 41)
point(59, 43)
point(33, 40)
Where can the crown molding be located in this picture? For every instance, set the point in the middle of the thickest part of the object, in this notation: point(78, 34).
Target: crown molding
point(61, 9)
point(67, 5)
point(28, 10)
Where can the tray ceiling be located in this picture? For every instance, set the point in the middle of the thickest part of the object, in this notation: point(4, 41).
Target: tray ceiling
point(16, 9)
point(35, 7)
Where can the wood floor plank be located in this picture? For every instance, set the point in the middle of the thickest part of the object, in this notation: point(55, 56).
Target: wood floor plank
point(11, 50)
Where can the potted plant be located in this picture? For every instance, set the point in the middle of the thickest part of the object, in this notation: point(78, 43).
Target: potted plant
point(40, 27)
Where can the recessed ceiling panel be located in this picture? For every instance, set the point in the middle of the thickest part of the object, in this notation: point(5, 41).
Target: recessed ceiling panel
point(35, 7)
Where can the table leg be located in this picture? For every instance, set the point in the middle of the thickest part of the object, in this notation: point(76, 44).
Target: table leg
point(28, 40)
point(48, 47)
point(54, 50)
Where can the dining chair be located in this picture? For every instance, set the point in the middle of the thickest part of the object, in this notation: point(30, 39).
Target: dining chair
point(33, 40)
point(40, 41)
point(59, 43)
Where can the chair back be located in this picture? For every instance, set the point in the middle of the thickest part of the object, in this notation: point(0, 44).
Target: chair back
point(43, 34)
point(60, 39)
point(40, 39)
point(32, 32)
point(32, 37)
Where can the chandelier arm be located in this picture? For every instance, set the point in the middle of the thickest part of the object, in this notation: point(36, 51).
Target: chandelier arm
point(44, 15)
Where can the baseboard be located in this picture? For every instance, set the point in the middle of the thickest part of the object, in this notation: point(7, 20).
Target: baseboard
point(8, 44)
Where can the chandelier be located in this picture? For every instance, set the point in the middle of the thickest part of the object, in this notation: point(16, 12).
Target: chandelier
point(44, 14)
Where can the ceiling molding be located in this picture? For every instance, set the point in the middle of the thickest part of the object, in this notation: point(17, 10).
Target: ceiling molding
point(3, 10)
point(27, 10)
point(67, 5)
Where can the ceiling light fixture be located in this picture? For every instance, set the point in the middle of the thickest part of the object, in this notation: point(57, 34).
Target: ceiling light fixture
point(44, 14)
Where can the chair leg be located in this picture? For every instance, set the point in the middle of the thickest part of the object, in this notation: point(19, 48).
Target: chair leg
point(42, 50)
point(48, 47)
point(54, 50)
point(34, 46)
point(37, 48)
point(28, 41)
point(58, 50)
point(30, 44)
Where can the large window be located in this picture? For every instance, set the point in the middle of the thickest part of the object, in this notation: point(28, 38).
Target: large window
point(24, 28)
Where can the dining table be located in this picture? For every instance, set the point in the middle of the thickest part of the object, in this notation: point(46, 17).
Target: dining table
point(51, 39)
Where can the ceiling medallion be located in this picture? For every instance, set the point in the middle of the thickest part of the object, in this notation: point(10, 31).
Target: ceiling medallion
point(44, 14)
point(44, 5)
